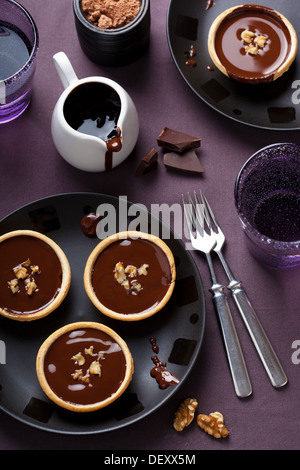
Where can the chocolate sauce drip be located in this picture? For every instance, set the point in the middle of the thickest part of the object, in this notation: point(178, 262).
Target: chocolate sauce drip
point(16, 250)
point(114, 144)
point(89, 224)
point(190, 62)
point(155, 348)
point(163, 377)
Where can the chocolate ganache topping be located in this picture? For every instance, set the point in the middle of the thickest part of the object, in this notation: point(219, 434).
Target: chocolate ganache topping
point(30, 275)
point(84, 366)
point(252, 42)
point(131, 276)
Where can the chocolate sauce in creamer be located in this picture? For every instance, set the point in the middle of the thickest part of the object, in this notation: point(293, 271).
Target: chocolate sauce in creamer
point(134, 252)
point(72, 381)
point(232, 50)
point(94, 108)
point(13, 252)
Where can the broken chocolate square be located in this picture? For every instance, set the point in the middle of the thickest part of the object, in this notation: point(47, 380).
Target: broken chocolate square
point(187, 162)
point(176, 141)
point(147, 162)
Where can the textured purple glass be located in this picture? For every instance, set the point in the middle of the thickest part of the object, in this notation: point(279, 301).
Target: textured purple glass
point(17, 32)
point(267, 199)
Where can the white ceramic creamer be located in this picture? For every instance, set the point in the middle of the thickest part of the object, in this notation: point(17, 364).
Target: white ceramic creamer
point(115, 117)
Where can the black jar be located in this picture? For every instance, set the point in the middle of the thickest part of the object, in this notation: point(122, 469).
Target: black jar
point(114, 47)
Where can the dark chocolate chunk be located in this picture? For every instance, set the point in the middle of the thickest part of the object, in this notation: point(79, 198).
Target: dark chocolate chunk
point(171, 139)
point(187, 162)
point(147, 162)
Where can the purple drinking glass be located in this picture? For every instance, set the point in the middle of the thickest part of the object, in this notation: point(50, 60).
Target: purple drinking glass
point(267, 199)
point(19, 42)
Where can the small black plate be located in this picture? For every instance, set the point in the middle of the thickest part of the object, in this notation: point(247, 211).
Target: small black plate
point(178, 328)
point(268, 106)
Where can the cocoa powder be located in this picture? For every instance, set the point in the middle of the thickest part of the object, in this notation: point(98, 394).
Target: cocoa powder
point(110, 14)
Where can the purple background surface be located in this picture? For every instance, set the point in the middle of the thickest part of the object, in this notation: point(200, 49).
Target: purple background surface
point(30, 168)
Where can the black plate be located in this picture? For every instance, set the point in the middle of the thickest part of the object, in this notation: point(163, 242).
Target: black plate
point(270, 106)
point(178, 328)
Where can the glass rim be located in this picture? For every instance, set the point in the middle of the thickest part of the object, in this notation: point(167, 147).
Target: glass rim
point(34, 46)
point(272, 242)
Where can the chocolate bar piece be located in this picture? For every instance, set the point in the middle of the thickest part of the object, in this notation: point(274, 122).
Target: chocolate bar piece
point(147, 162)
point(176, 141)
point(187, 162)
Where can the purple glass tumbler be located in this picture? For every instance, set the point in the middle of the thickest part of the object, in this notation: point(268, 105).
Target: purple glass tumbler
point(19, 43)
point(267, 199)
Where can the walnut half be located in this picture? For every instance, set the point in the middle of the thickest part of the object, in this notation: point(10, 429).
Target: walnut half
point(213, 424)
point(185, 414)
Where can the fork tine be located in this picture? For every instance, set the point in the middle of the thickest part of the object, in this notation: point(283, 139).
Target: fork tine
point(199, 212)
point(187, 213)
point(209, 211)
point(194, 215)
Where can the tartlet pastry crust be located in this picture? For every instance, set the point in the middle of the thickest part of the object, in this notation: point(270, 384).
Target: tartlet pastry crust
point(66, 277)
point(77, 407)
point(94, 255)
point(279, 72)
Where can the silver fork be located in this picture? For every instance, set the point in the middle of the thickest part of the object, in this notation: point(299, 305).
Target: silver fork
point(202, 240)
point(254, 327)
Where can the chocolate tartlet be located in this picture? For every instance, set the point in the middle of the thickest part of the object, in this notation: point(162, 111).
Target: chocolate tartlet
point(130, 276)
point(35, 275)
point(252, 44)
point(84, 366)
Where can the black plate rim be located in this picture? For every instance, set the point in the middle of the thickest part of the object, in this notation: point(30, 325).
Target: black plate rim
point(127, 422)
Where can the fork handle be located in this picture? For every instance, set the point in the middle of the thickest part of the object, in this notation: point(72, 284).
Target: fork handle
point(258, 335)
point(233, 349)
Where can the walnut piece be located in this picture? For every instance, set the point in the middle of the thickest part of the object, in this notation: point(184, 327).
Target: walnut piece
point(185, 414)
point(253, 50)
point(119, 271)
point(14, 286)
point(35, 269)
point(77, 374)
point(95, 368)
point(79, 359)
point(85, 379)
point(30, 286)
point(143, 270)
point(136, 286)
point(260, 41)
point(131, 271)
point(247, 36)
point(20, 272)
point(213, 424)
point(89, 351)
